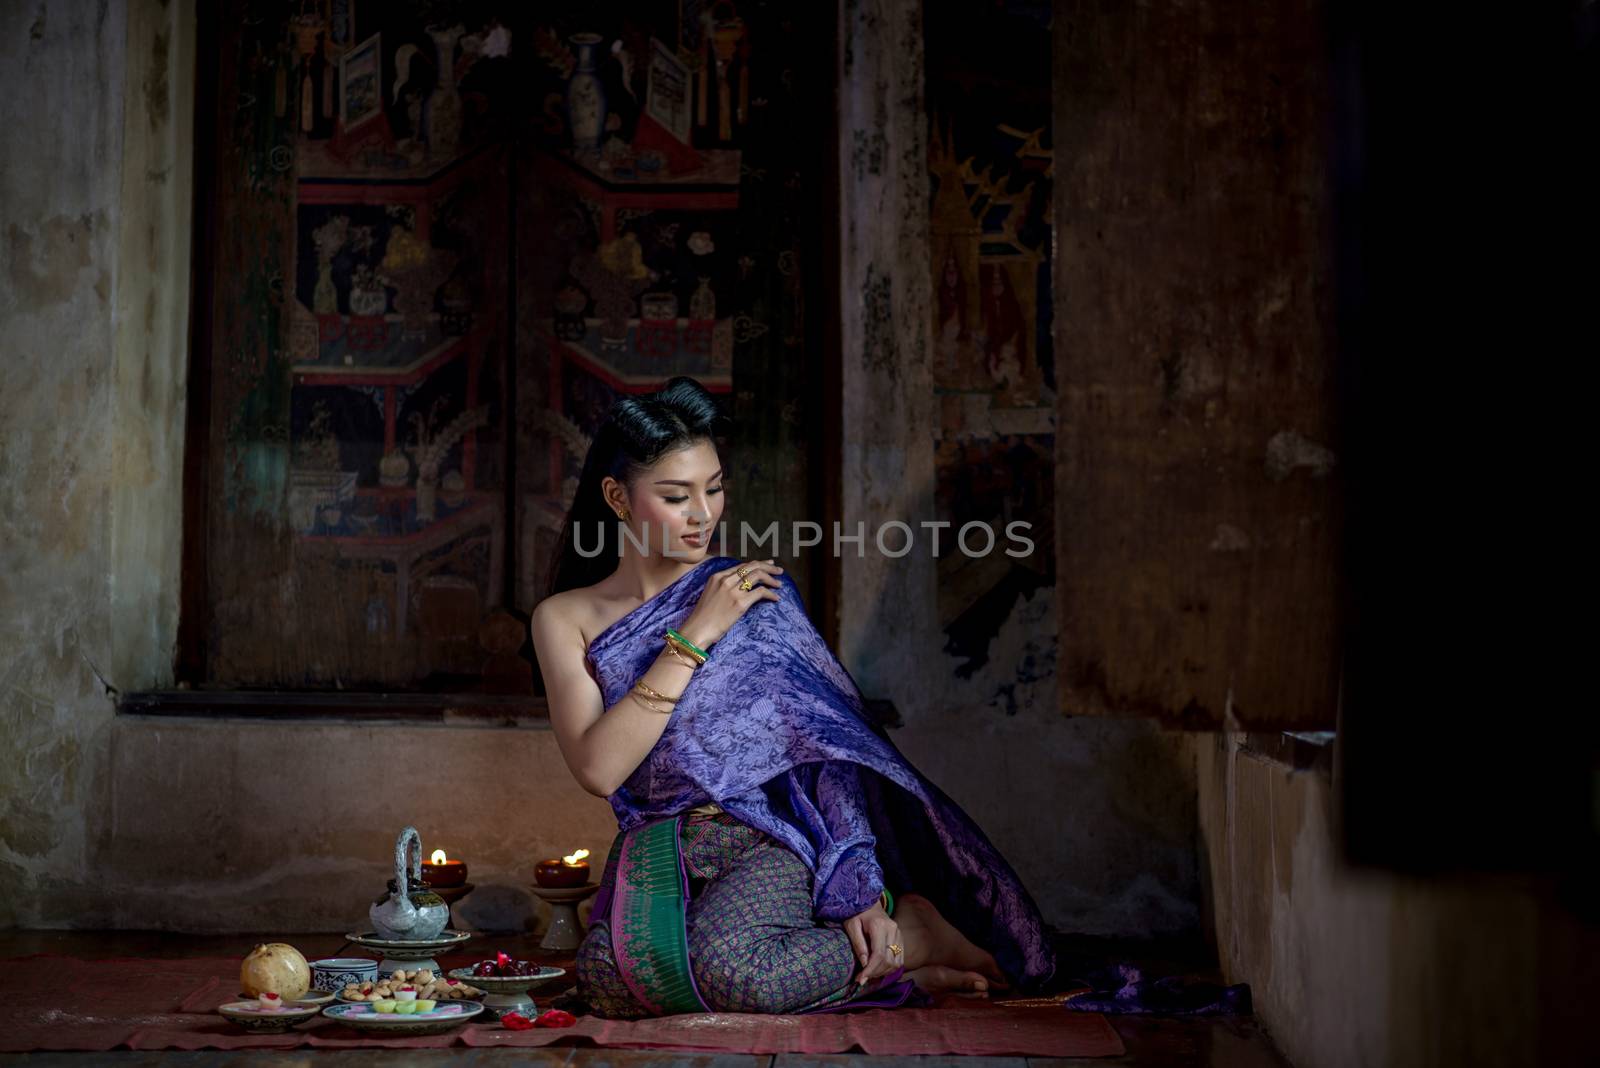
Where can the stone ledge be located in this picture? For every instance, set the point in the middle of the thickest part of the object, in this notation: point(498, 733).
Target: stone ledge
point(472, 710)
point(1295, 750)
point(468, 710)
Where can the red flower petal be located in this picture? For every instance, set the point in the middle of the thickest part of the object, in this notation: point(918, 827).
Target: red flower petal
point(556, 1018)
point(515, 1021)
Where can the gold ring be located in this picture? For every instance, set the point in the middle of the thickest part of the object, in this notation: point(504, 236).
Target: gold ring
point(894, 947)
point(745, 585)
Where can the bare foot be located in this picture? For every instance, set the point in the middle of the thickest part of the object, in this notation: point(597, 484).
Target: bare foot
point(942, 943)
point(938, 979)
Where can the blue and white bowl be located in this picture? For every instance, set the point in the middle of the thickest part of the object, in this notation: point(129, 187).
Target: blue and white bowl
point(336, 973)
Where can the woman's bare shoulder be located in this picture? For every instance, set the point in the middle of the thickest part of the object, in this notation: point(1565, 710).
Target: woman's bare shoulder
point(570, 612)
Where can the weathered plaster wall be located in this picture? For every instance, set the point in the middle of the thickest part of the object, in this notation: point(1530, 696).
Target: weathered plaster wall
point(219, 825)
point(62, 71)
point(151, 321)
point(1352, 968)
point(1096, 815)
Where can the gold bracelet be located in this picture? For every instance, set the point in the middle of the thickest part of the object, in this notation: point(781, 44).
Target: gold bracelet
point(651, 705)
point(681, 657)
point(657, 694)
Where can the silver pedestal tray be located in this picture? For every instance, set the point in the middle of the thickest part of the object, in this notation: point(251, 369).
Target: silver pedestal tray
point(508, 993)
point(409, 953)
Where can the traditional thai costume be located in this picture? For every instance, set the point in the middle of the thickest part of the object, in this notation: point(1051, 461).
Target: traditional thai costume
point(771, 810)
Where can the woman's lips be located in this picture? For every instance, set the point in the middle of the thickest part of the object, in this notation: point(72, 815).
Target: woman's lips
point(696, 538)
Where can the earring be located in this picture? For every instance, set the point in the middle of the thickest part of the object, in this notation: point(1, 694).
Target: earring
point(623, 515)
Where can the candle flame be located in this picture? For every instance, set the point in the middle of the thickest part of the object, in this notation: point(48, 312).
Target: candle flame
point(573, 858)
point(438, 857)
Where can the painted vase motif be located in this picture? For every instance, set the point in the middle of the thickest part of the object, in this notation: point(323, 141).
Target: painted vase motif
point(703, 302)
point(324, 296)
point(427, 499)
point(367, 295)
point(394, 469)
point(586, 96)
point(444, 103)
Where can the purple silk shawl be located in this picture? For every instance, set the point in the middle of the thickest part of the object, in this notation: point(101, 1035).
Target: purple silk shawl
point(773, 729)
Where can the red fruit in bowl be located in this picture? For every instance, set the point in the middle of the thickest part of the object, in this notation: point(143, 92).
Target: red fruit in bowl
point(503, 966)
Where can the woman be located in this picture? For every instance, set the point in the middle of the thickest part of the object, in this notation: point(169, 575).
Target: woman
point(772, 836)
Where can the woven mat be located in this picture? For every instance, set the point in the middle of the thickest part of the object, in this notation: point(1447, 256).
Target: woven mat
point(66, 1003)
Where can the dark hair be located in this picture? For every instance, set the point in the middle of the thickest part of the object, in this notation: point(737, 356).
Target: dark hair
point(636, 432)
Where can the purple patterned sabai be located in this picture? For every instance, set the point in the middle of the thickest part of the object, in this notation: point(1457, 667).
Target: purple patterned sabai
point(772, 728)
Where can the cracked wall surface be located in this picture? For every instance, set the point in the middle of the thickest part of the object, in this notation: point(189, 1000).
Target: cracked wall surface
point(1096, 815)
point(60, 193)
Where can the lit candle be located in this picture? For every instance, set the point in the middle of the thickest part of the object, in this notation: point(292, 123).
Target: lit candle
point(570, 870)
point(441, 871)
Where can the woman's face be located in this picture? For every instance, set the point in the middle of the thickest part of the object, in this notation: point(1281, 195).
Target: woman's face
point(679, 499)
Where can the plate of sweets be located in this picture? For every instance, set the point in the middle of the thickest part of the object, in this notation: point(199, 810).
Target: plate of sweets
point(404, 1014)
point(428, 987)
point(267, 1013)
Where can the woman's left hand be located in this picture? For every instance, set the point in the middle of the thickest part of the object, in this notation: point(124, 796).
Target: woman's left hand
point(871, 934)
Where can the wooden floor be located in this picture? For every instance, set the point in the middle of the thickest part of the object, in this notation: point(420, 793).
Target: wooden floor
point(1165, 1042)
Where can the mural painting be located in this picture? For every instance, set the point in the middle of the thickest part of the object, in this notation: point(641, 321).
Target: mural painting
point(990, 170)
point(669, 226)
point(488, 220)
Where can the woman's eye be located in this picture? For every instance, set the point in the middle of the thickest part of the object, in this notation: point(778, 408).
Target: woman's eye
point(680, 500)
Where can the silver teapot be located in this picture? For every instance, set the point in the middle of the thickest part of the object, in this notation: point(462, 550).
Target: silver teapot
point(409, 910)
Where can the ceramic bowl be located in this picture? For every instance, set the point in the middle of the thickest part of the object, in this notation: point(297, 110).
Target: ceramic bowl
point(506, 984)
point(248, 1015)
point(444, 1016)
point(336, 973)
point(509, 993)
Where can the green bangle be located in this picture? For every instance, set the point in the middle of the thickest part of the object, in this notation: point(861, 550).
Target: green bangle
point(691, 645)
point(888, 901)
point(677, 642)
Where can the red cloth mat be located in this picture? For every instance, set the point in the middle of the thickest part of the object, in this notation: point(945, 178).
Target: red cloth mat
point(65, 1003)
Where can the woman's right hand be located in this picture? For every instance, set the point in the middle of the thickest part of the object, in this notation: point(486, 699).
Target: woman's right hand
point(722, 602)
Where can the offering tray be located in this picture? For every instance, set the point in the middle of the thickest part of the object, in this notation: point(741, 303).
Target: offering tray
point(508, 993)
point(403, 953)
point(443, 1018)
point(248, 1015)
